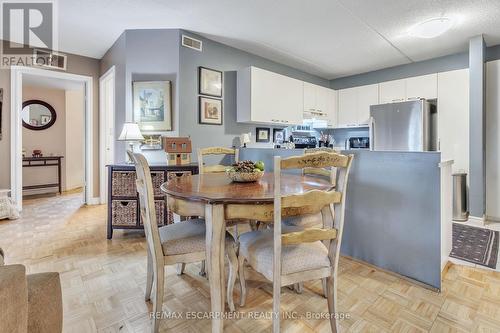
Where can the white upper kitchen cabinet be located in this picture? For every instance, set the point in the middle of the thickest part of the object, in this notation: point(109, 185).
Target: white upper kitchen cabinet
point(316, 101)
point(366, 96)
point(309, 97)
point(425, 86)
point(322, 96)
point(268, 98)
point(347, 116)
point(332, 108)
point(354, 105)
point(392, 91)
point(453, 118)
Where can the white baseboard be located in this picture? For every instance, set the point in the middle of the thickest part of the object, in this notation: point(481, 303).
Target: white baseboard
point(94, 201)
point(493, 219)
point(474, 220)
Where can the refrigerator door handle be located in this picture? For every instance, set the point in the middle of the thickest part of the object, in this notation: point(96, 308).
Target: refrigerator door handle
point(372, 133)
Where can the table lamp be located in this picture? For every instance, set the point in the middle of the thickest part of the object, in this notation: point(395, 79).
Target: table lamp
point(244, 139)
point(130, 133)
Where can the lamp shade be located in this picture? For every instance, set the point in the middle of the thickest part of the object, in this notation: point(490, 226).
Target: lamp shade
point(130, 132)
point(245, 138)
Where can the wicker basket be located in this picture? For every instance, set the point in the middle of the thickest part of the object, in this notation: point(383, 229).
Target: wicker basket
point(160, 212)
point(158, 178)
point(244, 177)
point(124, 212)
point(123, 184)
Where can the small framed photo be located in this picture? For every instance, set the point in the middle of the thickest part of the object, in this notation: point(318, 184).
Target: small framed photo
point(152, 142)
point(209, 82)
point(262, 134)
point(278, 135)
point(44, 119)
point(210, 110)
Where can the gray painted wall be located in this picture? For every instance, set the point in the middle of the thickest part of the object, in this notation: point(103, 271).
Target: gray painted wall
point(227, 59)
point(117, 56)
point(143, 55)
point(404, 236)
point(477, 127)
point(436, 65)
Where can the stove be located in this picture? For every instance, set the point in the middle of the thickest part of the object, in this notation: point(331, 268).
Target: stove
point(305, 142)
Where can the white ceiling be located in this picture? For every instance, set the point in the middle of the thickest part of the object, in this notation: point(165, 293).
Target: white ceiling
point(51, 83)
point(329, 38)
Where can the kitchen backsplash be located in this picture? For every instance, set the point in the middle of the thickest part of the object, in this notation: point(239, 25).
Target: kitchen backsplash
point(340, 135)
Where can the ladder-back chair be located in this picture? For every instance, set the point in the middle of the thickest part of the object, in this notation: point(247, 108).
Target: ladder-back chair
point(306, 254)
point(177, 243)
point(215, 151)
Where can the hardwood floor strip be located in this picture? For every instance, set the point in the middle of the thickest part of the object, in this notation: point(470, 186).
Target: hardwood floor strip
point(103, 283)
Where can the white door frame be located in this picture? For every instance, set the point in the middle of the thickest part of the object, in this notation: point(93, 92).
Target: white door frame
point(103, 131)
point(16, 138)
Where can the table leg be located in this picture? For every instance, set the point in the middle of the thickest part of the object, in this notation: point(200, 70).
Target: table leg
point(215, 235)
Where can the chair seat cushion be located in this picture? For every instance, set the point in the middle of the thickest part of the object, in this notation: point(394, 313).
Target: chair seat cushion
point(257, 248)
point(305, 221)
point(186, 237)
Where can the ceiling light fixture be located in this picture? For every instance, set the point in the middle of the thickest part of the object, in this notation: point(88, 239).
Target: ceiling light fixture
point(431, 28)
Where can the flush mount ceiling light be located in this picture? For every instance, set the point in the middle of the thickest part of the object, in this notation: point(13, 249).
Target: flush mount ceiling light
point(431, 28)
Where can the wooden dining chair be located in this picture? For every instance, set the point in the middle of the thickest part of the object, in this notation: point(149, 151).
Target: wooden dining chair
point(182, 242)
point(203, 168)
point(215, 151)
point(312, 220)
point(328, 173)
point(306, 254)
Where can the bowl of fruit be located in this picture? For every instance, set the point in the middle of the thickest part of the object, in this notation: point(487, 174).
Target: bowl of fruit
point(246, 171)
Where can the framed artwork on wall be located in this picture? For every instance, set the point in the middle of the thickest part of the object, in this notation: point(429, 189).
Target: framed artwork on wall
point(209, 82)
point(278, 135)
point(210, 111)
point(153, 105)
point(262, 134)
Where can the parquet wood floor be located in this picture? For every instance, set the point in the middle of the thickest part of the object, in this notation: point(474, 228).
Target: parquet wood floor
point(103, 284)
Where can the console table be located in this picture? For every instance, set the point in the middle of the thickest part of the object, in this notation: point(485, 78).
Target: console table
point(123, 200)
point(30, 162)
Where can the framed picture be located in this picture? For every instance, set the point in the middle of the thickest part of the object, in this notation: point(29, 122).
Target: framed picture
point(262, 134)
point(278, 135)
point(210, 111)
point(152, 142)
point(153, 105)
point(209, 82)
point(44, 119)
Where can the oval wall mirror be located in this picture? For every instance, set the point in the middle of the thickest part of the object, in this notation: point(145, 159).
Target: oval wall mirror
point(38, 115)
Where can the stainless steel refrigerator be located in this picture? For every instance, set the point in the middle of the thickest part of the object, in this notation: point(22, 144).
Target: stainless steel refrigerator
point(405, 126)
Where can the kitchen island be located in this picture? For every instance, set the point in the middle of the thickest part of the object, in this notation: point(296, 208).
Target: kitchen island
point(398, 210)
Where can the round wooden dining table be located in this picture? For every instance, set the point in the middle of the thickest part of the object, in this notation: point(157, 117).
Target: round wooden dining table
point(208, 196)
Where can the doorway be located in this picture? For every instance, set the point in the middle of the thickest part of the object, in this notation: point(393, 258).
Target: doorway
point(53, 118)
point(20, 74)
point(106, 128)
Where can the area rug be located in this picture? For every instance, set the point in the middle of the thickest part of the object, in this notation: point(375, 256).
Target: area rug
point(475, 245)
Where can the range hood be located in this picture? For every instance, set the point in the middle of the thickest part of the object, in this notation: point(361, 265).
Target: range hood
point(315, 122)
